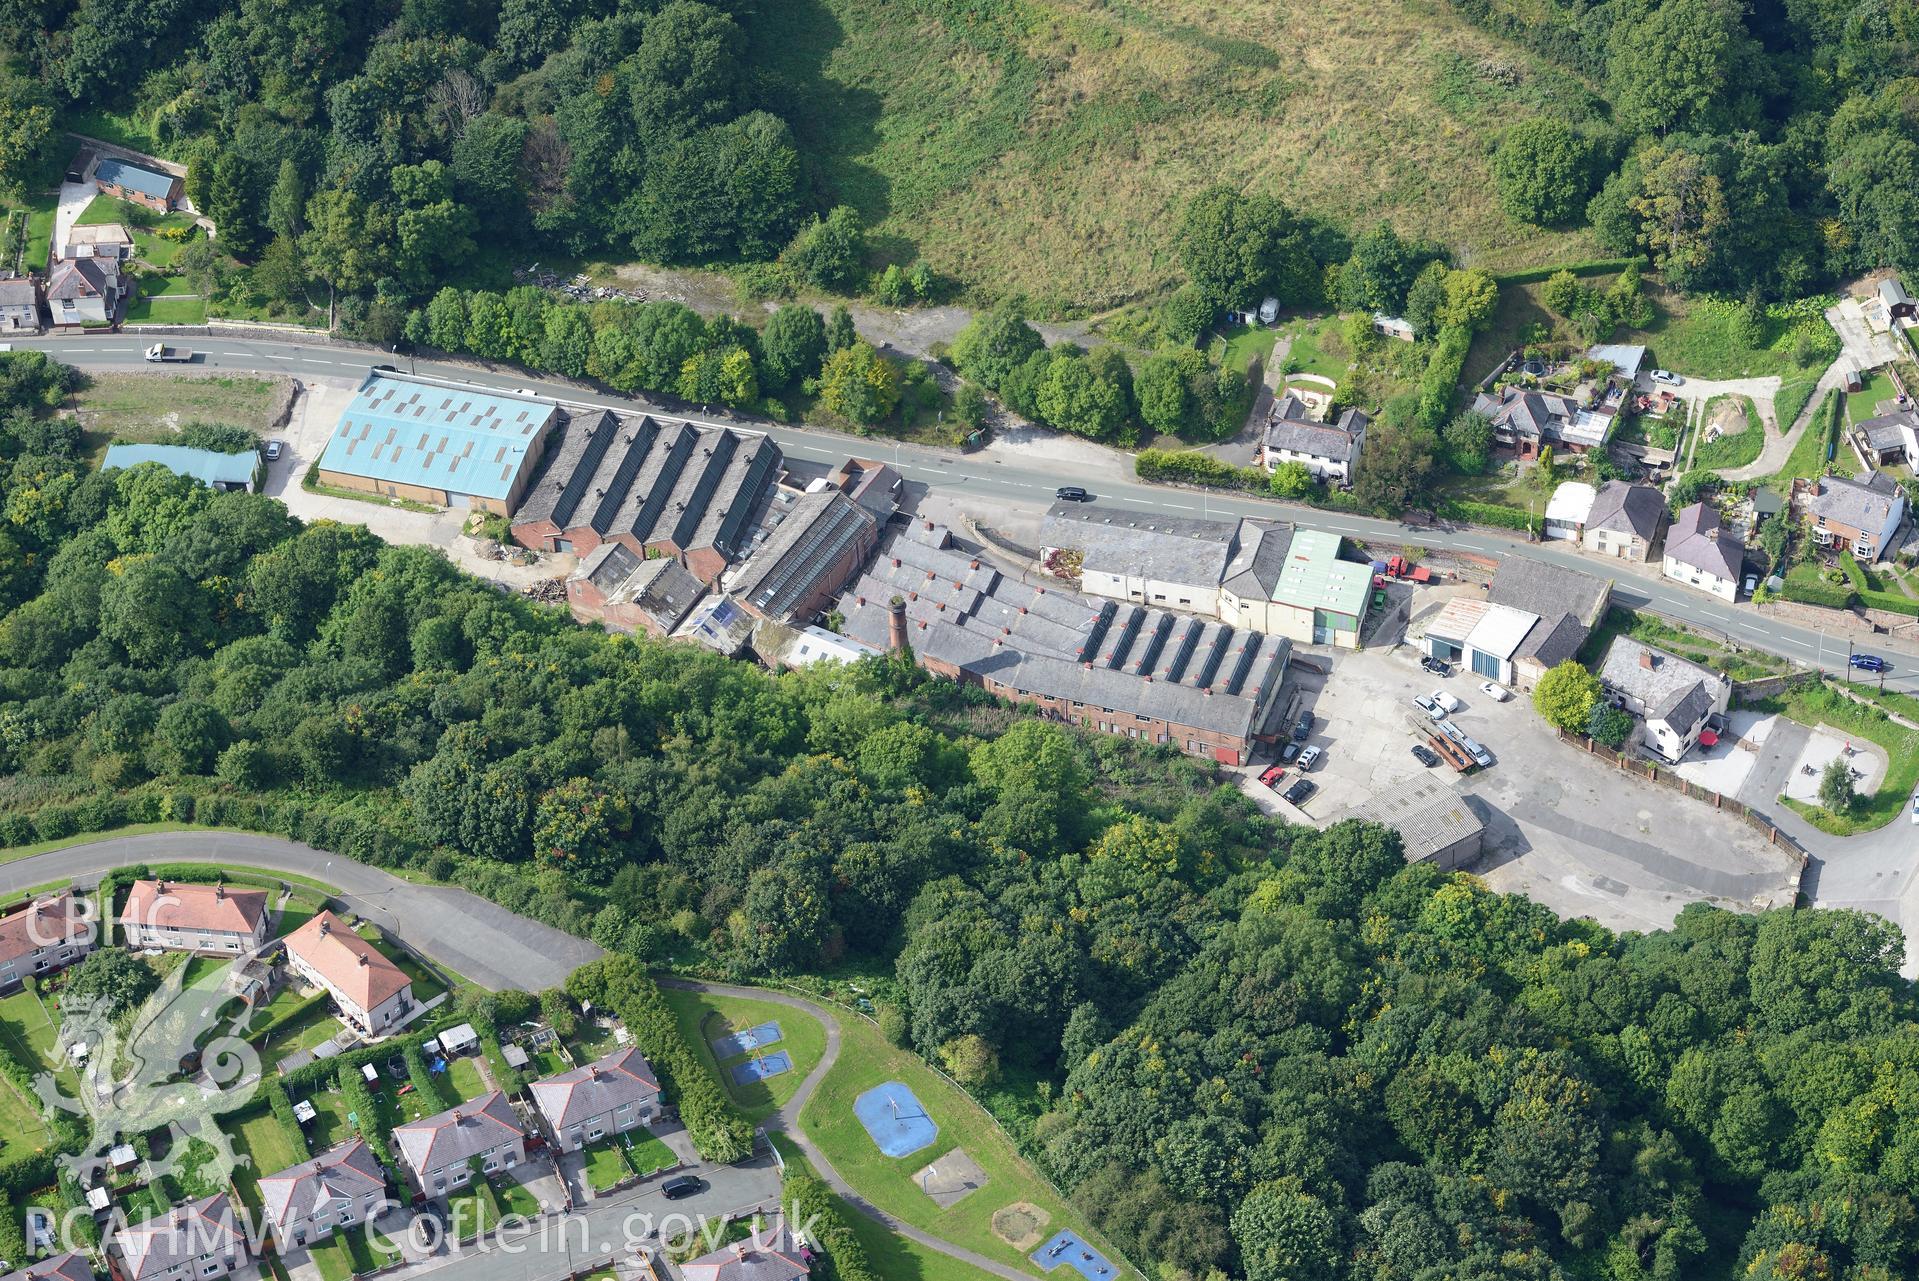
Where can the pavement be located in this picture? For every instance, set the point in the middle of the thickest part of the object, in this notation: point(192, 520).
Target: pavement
point(451, 927)
point(1025, 467)
point(1563, 827)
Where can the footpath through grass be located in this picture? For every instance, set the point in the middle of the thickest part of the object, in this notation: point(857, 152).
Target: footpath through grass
point(704, 1018)
point(893, 1256)
point(866, 1060)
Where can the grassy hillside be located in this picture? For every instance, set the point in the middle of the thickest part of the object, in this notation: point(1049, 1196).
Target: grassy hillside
point(1048, 145)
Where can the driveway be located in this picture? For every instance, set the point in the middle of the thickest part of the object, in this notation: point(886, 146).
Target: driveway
point(451, 927)
point(1562, 827)
point(74, 199)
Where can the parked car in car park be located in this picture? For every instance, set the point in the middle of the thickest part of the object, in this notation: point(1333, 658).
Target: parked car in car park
point(1272, 775)
point(1300, 791)
point(1428, 757)
point(1290, 752)
point(1444, 701)
point(1867, 662)
point(1303, 726)
point(1498, 693)
point(1437, 666)
point(1309, 758)
point(1425, 704)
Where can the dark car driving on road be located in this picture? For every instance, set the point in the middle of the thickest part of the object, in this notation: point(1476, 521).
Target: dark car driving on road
point(1072, 494)
point(1867, 662)
point(684, 1186)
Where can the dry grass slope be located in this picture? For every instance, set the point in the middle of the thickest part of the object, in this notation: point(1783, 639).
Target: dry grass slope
point(1046, 146)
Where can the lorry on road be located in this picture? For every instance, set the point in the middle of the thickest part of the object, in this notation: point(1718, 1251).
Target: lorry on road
point(160, 352)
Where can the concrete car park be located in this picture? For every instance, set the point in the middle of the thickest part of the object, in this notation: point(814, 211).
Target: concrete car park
point(1563, 827)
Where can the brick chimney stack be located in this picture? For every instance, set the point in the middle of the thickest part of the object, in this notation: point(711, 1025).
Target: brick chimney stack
point(896, 626)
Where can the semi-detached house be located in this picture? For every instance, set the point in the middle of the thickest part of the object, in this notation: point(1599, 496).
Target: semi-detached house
point(71, 1266)
point(608, 1096)
point(438, 1150)
point(310, 1201)
point(40, 937)
point(199, 1241)
point(372, 993)
point(185, 916)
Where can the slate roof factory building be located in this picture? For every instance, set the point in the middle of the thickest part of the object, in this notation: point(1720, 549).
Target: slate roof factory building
point(1195, 684)
point(658, 487)
point(445, 443)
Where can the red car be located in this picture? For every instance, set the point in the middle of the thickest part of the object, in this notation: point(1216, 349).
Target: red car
point(1272, 776)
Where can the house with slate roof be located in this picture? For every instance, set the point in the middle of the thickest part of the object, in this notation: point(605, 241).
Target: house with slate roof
point(1674, 699)
point(770, 1254)
point(19, 306)
point(199, 1241)
point(71, 1266)
point(1857, 516)
point(85, 292)
point(310, 1201)
point(1330, 451)
point(1527, 421)
point(438, 1150)
point(1702, 553)
point(608, 1096)
point(1626, 521)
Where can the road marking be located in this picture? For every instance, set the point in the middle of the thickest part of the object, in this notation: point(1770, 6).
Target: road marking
point(308, 360)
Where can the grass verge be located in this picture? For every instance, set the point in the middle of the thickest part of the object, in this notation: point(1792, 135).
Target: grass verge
point(892, 1255)
point(866, 1060)
point(802, 1037)
point(1819, 704)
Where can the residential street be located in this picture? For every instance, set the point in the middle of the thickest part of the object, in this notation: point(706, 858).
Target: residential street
point(454, 928)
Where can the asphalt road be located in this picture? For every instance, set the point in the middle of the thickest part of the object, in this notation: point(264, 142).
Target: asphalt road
point(452, 927)
point(455, 928)
point(1010, 480)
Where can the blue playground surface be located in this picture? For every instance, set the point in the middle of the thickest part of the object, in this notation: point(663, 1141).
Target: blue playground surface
point(1069, 1249)
point(754, 1038)
point(893, 1116)
point(760, 1068)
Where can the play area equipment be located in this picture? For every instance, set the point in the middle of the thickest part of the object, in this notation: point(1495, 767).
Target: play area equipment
point(1067, 1248)
point(761, 1066)
point(754, 1038)
point(892, 1114)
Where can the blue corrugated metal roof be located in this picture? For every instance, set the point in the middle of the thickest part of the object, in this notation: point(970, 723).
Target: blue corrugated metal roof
point(132, 177)
point(443, 436)
point(203, 465)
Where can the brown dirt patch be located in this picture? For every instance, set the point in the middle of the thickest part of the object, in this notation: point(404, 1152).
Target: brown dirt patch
point(1021, 1225)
